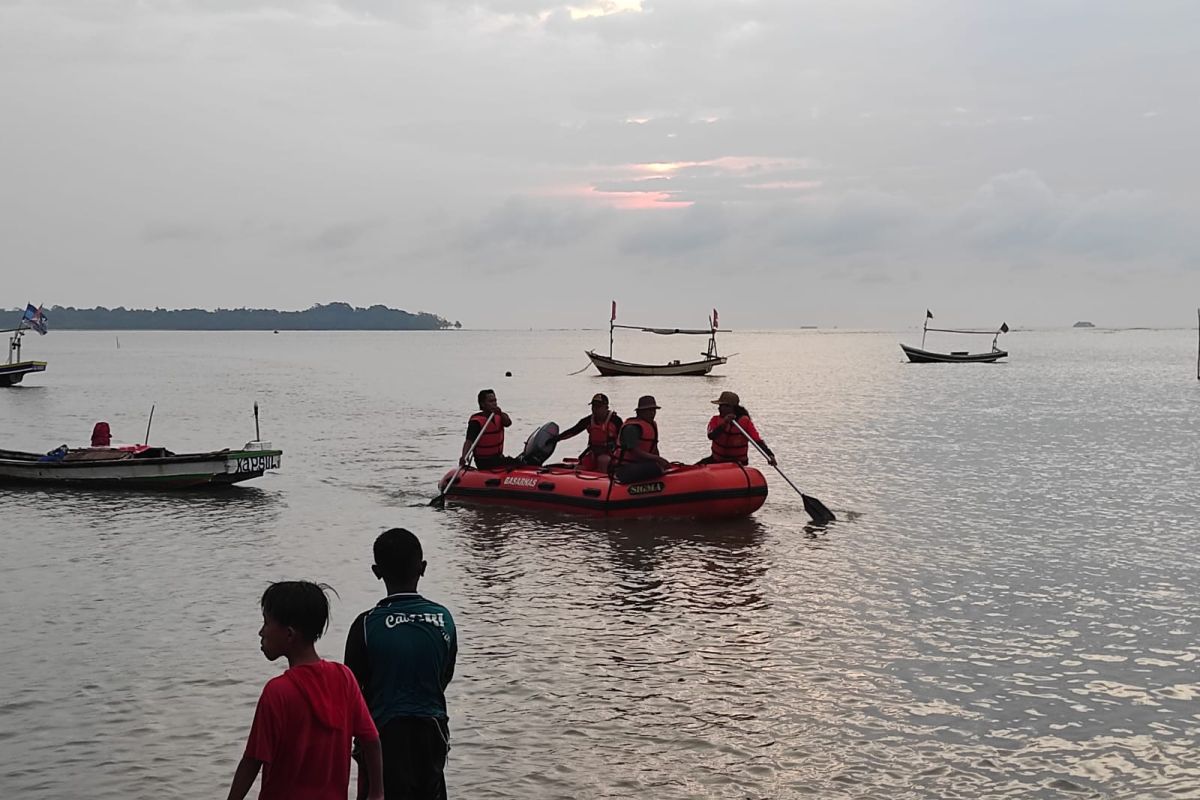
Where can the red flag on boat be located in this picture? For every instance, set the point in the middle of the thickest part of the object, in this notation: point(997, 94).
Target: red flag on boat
point(716, 324)
point(614, 313)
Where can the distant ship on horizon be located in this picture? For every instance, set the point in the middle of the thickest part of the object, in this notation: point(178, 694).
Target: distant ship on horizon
point(1083, 324)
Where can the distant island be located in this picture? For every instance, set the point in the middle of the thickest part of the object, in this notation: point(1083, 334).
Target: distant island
point(330, 317)
point(1083, 324)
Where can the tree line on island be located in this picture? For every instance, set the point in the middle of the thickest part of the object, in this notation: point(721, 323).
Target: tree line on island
point(328, 317)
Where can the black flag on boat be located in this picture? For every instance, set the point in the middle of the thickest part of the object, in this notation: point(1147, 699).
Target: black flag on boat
point(928, 314)
point(1004, 327)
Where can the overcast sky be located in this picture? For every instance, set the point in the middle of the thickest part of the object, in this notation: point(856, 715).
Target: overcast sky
point(520, 163)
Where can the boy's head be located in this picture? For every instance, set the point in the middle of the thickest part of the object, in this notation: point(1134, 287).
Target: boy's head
point(295, 614)
point(487, 400)
point(398, 558)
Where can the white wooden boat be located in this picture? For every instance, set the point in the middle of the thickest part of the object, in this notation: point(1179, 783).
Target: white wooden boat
point(149, 468)
point(607, 365)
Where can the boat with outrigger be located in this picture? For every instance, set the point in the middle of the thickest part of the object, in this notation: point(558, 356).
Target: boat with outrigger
point(919, 355)
point(609, 366)
point(14, 370)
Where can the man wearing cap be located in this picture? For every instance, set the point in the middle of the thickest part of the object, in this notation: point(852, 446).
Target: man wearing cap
point(637, 457)
point(602, 427)
point(728, 443)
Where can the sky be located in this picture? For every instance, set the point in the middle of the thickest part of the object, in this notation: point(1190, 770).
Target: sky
point(521, 163)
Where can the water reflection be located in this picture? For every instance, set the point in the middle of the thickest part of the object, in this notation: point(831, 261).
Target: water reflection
point(686, 563)
point(195, 504)
point(641, 564)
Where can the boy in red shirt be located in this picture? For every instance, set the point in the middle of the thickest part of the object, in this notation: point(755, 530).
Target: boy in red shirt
point(305, 719)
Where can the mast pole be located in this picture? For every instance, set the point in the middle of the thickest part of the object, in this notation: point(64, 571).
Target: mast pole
point(924, 329)
point(14, 346)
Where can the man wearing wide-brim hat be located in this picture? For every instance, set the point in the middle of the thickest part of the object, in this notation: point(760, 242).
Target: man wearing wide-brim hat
point(637, 457)
point(729, 444)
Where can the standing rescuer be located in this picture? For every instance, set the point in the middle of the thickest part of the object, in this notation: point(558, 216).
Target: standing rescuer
point(728, 443)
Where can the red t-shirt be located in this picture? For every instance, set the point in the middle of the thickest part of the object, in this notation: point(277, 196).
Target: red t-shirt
point(302, 732)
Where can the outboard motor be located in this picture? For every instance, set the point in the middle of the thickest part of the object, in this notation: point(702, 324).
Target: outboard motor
point(540, 445)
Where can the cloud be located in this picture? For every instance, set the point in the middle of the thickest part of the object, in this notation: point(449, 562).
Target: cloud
point(167, 232)
point(247, 141)
point(340, 237)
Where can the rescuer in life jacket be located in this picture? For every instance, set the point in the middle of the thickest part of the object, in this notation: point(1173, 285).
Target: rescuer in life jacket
point(489, 453)
point(637, 458)
point(603, 427)
point(728, 443)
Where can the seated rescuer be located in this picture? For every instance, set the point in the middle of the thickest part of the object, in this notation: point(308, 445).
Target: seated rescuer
point(728, 443)
point(603, 428)
point(489, 453)
point(637, 457)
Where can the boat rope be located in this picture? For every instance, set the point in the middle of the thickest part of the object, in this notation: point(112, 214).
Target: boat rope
point(576, 372)
point(953, 330)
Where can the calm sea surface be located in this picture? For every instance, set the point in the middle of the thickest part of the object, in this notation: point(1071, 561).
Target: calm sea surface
point(1006, 609)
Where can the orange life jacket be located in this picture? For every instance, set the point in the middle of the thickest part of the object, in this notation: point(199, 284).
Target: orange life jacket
point(730, 445)
point(491, 443)
point(647, 438)
point(602, 436)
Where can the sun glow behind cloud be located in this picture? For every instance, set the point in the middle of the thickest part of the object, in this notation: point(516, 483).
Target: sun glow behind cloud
point(605, 8)
point(638, 201)
point(647, 185)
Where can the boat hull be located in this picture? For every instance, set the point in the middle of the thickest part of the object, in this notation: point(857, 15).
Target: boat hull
point(716, 490)
point(611, 366)
point(11, 374)
point(918, 356)
point(186, 471)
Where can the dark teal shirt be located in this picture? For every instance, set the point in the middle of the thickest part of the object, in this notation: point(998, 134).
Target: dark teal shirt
point(403, 653)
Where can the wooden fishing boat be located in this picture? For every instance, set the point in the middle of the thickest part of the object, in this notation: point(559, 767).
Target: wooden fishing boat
point(139, 467)
point(611, 366)
point(607, 365)
point(919, 355)
point(14, 370)
point(710, 490)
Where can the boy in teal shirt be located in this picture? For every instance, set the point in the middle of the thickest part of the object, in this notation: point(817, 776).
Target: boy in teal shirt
point(403, 651)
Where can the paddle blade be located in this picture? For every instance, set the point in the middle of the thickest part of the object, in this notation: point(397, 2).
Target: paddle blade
point(817, 510)
point(438, 502)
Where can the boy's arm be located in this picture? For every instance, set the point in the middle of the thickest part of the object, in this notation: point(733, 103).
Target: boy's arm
point(243, 778)
point(451, 656)
point(372, 754)
point(356, 651)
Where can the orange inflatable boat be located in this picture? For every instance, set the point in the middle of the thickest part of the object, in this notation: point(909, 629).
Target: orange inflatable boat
point(714, 490)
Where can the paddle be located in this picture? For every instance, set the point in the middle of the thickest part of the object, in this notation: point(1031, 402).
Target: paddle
point(815, 508)
point(440, 500)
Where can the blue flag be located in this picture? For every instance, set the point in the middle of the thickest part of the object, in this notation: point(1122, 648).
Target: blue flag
point(30, 311)
point(38, 320)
